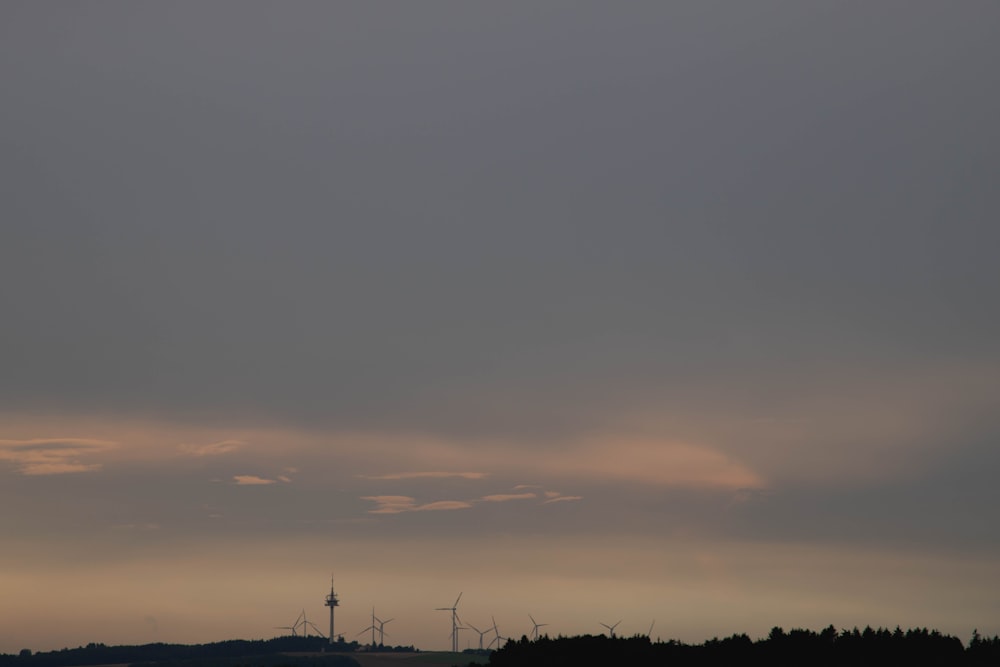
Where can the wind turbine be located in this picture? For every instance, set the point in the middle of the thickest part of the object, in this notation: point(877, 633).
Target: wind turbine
point(381, 629)
point(288, 627)
point(313, 626)
point(454, 622)
point(498, 637)
point(293, 627)
point(534, 630)
point(611, 628)
point(481, 633)
point(304, 623)
point(371, 627)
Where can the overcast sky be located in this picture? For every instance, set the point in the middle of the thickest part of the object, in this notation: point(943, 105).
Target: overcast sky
point(679, 311)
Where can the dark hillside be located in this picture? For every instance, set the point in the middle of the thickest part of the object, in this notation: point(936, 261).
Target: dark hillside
point(260, 652)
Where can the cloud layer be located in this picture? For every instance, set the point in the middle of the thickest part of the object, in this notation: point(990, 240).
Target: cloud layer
point(645, 303)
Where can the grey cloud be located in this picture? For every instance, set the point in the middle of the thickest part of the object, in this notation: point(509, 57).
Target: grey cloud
point(469, 225)
point(503, 221)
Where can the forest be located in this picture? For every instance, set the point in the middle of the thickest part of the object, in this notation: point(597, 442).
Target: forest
point(827, 648)
point(260, 653)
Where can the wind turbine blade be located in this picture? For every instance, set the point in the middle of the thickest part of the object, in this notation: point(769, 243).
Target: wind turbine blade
point(458, 598)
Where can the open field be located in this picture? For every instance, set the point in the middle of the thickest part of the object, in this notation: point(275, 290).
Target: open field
point(423, 659)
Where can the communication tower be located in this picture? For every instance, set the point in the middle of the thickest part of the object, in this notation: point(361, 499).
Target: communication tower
point(331, 602)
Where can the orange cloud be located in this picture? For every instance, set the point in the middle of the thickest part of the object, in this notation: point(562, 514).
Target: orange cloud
point(252, 480)
point(658, 463)
point(399, 504)
point(560, 499)
point(53, 456)
point(605, 458)
point(427, 475)
point(503, 497)
point(212, 448)
point(444, 505)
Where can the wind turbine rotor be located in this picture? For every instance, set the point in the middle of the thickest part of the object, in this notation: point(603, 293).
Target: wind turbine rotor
point(497, 638)
point(481, 633)
point(381, 630)
point(537, 625)
point(611, 628)
point(313, 626)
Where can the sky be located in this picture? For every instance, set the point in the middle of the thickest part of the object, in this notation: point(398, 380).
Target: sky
point(680, 312)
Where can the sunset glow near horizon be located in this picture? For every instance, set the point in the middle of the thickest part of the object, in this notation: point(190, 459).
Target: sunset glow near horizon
point(680, 314)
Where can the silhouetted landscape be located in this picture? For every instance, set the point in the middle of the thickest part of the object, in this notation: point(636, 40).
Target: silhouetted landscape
point(826, 648)
point(274, 651)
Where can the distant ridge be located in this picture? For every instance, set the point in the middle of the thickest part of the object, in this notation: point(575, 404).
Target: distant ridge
point(264, 652)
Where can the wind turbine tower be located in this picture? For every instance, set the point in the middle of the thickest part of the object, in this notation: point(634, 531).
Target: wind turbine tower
point(371, 627)
point(454, 622)
point(331, 602)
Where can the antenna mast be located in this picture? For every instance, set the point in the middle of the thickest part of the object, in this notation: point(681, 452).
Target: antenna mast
point(331, 602)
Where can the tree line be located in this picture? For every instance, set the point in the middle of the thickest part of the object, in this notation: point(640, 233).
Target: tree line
point(266, 652)
point(829, 647)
